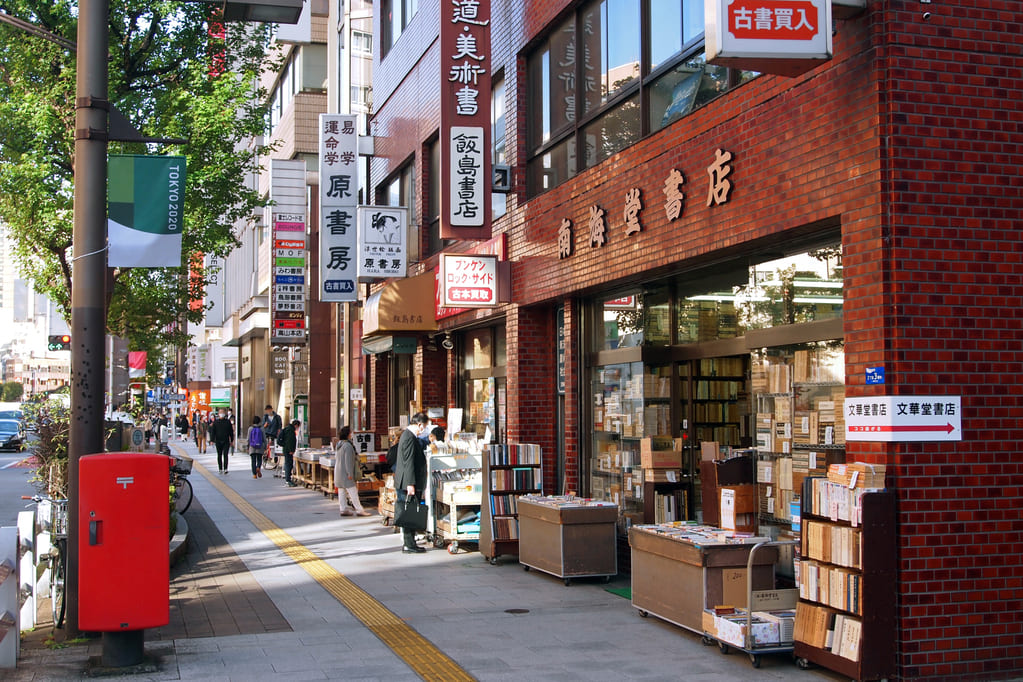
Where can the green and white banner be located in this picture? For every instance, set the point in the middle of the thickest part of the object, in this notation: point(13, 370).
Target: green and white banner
point(146, 202)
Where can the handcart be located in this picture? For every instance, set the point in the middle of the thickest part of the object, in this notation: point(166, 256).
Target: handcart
point(755, 601)
point(454, 491)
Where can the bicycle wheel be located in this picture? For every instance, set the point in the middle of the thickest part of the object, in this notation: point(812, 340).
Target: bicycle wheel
point(58, 569)
point(182, 494)
point(270, 462)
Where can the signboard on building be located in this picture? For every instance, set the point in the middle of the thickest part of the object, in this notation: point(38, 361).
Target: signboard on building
point(279, 364)
point(339, 187)
point(562, 350)
point(904, 418)
point(465, 155)
point(468, 280)
point(220, 396)
point(214, 267)
point(784, 37)
point(495, 247)
point(288, 286)
point(382, 236)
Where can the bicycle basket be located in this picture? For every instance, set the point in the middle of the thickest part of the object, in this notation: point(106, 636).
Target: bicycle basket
point(182, 465)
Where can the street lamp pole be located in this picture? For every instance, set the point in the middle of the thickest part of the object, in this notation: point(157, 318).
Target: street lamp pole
point(89, 267)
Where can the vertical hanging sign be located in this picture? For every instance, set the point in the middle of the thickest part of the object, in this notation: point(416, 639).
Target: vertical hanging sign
point(465, 154)
point(287, 291)
point(339, 182)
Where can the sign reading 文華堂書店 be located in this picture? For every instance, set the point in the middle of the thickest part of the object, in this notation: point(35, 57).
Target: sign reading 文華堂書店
point(465, 164)
point(903, 418)
point(783, 37)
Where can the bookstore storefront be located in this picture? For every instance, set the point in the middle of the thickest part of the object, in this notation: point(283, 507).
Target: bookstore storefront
point(746, 356)
point(482, 360)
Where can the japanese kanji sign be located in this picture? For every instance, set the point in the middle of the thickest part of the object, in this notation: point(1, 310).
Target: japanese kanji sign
point(785, 37)
point(497, 247)
point(903, 418)
point(382, 232)
point(469, 281)
point(288, 288)
point(339, 180)
point(465, 155)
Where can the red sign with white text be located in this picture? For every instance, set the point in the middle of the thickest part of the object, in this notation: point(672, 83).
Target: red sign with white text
point(774, 20)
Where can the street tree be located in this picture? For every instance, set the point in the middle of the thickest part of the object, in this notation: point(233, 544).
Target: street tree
point(173, 77)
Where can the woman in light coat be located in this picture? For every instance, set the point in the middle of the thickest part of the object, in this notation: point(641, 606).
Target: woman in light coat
point(346, 468)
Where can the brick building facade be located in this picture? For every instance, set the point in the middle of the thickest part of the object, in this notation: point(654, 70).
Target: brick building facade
point(903, 150)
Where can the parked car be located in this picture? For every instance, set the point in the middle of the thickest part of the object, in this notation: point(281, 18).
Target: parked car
point(12, 435)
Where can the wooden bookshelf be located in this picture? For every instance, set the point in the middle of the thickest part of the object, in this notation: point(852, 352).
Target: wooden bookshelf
point(509, 471)
point(875, 575)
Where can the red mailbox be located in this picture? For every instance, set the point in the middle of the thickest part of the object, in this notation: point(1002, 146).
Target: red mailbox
point(124, 524)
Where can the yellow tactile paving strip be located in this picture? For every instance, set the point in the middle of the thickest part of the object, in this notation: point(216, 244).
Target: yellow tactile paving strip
point(419, 653)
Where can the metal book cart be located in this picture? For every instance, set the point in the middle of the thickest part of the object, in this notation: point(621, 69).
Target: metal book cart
point(455, 491)
point(755, 601)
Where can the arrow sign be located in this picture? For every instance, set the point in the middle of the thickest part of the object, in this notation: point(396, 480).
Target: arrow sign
point(903, 418)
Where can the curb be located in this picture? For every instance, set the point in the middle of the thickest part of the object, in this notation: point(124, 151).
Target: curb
point(179, 543)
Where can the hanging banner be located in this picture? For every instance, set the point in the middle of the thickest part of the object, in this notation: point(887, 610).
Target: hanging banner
point(214, 290)
point(465, 154)
point(145, 209)
point(339, 184)
point(288, 286)
point(382, 234)
point(137, 364)
point(784, 37)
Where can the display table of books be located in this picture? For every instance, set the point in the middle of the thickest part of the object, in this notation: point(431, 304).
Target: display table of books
point(568, 537)
point(681, 569)
point(307, 461)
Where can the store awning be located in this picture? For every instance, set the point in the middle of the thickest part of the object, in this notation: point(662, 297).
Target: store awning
point(402, 306)
point(389, 344)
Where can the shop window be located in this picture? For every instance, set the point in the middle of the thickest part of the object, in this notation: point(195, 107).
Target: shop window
point(478, 349)
point(586, 82)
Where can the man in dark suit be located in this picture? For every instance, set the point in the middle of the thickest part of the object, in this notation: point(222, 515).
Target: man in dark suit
point(222, 435)
point(410, 472)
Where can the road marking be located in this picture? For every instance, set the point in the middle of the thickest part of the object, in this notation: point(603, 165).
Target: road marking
point(425, 659)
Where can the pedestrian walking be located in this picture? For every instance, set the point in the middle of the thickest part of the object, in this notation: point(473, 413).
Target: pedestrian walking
point(182, 423)
point(288, 439)
point(147, 426)
point(271, 428)
point(255, 441)
point(234, 427)
point(202, 428)
point(347, 471)
point(222, 434)
point(410, 472)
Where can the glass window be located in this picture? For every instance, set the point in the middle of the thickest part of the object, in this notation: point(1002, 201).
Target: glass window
point(497, 129)
point(396, 17)
point(362, 42)
point(593, 60)
point(230, 371)
point(433, 197)
point(479, 349)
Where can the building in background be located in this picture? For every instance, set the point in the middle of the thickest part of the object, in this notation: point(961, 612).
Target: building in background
point(688, 240)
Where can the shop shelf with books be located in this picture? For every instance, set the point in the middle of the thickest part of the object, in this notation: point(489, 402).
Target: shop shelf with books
point(509, 471)
point(845, 619)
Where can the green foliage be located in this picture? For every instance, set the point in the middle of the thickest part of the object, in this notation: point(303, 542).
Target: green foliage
point(51, 420)
point(160, 62)
point(11, 392)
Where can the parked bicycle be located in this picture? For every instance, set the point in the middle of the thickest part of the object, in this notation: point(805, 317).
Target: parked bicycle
point(271, 460)
point(180, 486)
point(53, 517)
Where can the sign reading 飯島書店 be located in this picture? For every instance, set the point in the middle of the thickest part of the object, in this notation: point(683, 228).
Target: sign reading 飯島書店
point(903, 418)
point(783, 37)
point(339, 187)
point(465, 164)
point(468, 280)
point(382, 236)
point(288, 286)
point(146, 210)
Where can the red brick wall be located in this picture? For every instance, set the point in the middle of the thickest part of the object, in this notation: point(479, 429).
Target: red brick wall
point(909, 140)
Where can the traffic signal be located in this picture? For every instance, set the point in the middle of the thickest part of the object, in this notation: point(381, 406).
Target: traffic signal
point(59, 342)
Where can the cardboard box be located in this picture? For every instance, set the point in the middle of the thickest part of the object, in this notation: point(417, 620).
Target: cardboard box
point(732, 629)
point(660, 453)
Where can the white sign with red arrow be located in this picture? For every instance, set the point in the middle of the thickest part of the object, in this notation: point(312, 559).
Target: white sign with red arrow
point(904, 418)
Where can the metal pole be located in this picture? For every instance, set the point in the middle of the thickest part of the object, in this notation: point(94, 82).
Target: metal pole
point(88, 272)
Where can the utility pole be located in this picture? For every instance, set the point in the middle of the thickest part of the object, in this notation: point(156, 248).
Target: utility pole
point(88, 269)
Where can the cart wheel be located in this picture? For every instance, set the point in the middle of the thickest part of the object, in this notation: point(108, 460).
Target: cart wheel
point(453, 548)
point(707, 641)
point(802, 664)
point(643, 614)
point(493, 561)
point(525, 568)
point(723, 647)
point(438, 542)
point(568, 581)
point(755, 660)
point(607, 579)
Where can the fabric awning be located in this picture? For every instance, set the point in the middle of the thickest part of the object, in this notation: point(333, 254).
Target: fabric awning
point(404, 305)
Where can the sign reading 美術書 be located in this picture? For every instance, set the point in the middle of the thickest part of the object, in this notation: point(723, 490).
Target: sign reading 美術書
point(145, 210)
point(339, 187)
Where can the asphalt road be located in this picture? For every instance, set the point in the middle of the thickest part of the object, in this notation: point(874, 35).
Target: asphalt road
point(13, 484)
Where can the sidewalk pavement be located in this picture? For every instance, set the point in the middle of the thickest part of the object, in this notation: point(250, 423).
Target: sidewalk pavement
point(243, 608)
